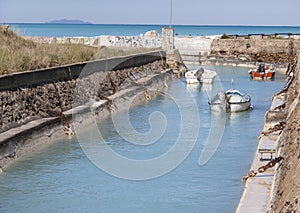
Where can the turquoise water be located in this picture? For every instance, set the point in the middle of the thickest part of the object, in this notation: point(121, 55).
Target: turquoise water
point(90, 30)
point(60, 178)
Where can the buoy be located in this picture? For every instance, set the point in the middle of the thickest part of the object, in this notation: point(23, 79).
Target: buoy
point(1, 171)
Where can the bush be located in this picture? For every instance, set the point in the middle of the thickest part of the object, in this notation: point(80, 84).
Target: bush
point(225, 36)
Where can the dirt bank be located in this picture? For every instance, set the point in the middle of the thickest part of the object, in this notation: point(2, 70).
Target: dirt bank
point(286, 193)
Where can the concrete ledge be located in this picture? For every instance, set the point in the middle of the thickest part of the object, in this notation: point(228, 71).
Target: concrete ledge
point(19, 141)
point(276, 115)
point(257, 192)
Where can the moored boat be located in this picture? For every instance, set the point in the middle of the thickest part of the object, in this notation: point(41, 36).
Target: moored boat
point(200, 76)
point(231, 101)
point(262, 72)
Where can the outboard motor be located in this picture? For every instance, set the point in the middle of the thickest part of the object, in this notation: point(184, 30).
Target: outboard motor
point(261, 68)
point(199, 74)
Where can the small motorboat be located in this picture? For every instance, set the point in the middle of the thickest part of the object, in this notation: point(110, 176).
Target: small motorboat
point(262, 72)
point(200, 76)
point(231, 101)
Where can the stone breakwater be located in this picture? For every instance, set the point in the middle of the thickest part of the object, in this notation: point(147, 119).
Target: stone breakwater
point(22, 105)
point(271, 50)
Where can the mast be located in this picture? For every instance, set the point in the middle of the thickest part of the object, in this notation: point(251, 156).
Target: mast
point(171, 13)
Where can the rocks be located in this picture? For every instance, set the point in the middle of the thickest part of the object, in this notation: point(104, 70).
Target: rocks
point(25, 104)
point(261, 50)
point(152, 33)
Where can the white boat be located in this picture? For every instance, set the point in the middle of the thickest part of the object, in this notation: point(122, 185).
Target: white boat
point(200, 76)
point(192, 76)
point(231, 101)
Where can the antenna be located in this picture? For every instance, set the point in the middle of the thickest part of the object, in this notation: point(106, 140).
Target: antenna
point(171, 12)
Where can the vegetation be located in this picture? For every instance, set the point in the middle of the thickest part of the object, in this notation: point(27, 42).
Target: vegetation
point(225, 36)
point(18, 54)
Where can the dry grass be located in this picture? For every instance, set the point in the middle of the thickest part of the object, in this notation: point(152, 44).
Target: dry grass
point(18, 54)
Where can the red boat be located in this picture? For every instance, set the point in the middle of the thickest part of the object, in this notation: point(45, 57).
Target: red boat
point(263, 72)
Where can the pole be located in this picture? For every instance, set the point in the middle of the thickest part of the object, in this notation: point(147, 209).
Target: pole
point(171, 13)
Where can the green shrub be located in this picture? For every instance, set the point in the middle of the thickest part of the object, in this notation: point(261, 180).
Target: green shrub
point(225, 36)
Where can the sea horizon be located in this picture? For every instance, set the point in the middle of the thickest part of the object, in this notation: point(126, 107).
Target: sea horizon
point(94, 30)
point(157, 24)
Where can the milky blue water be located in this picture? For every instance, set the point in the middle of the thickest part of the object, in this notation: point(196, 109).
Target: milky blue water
point(90, 30)
point(60, 178)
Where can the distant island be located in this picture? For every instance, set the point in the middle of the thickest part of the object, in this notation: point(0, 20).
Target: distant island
point(68, 21)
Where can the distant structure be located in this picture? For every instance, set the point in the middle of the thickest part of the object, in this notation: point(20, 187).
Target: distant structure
point(168, 39)
point(67, 21)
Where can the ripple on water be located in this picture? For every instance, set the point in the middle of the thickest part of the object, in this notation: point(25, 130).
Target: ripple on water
point(60, 178)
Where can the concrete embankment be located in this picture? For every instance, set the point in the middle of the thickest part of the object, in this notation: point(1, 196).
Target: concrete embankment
point(275, 190)
point(32, 108)
point(286, 186)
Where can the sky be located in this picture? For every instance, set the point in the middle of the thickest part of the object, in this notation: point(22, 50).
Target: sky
point(191, 12)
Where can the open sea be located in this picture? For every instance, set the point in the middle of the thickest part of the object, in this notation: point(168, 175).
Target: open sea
point(91, 30)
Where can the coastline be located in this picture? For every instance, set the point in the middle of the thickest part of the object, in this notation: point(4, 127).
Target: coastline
point(121, 29)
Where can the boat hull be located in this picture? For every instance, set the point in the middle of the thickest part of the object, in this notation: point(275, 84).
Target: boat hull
point(192, 81)
point(232, 107)
point(208, 77)
point(239, 107)
point(231, 101)
point(205, 76)
point(261, 75)
point(217, 107)
point(191, 77)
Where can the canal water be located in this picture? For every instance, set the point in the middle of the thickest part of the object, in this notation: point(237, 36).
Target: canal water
point(61, 178)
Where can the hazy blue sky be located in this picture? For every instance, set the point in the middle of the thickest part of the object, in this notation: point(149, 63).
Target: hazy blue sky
point(199, 12)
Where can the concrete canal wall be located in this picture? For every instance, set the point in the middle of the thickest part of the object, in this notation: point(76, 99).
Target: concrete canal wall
point(277, 189)
point(31, 103)
point(285, 192)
